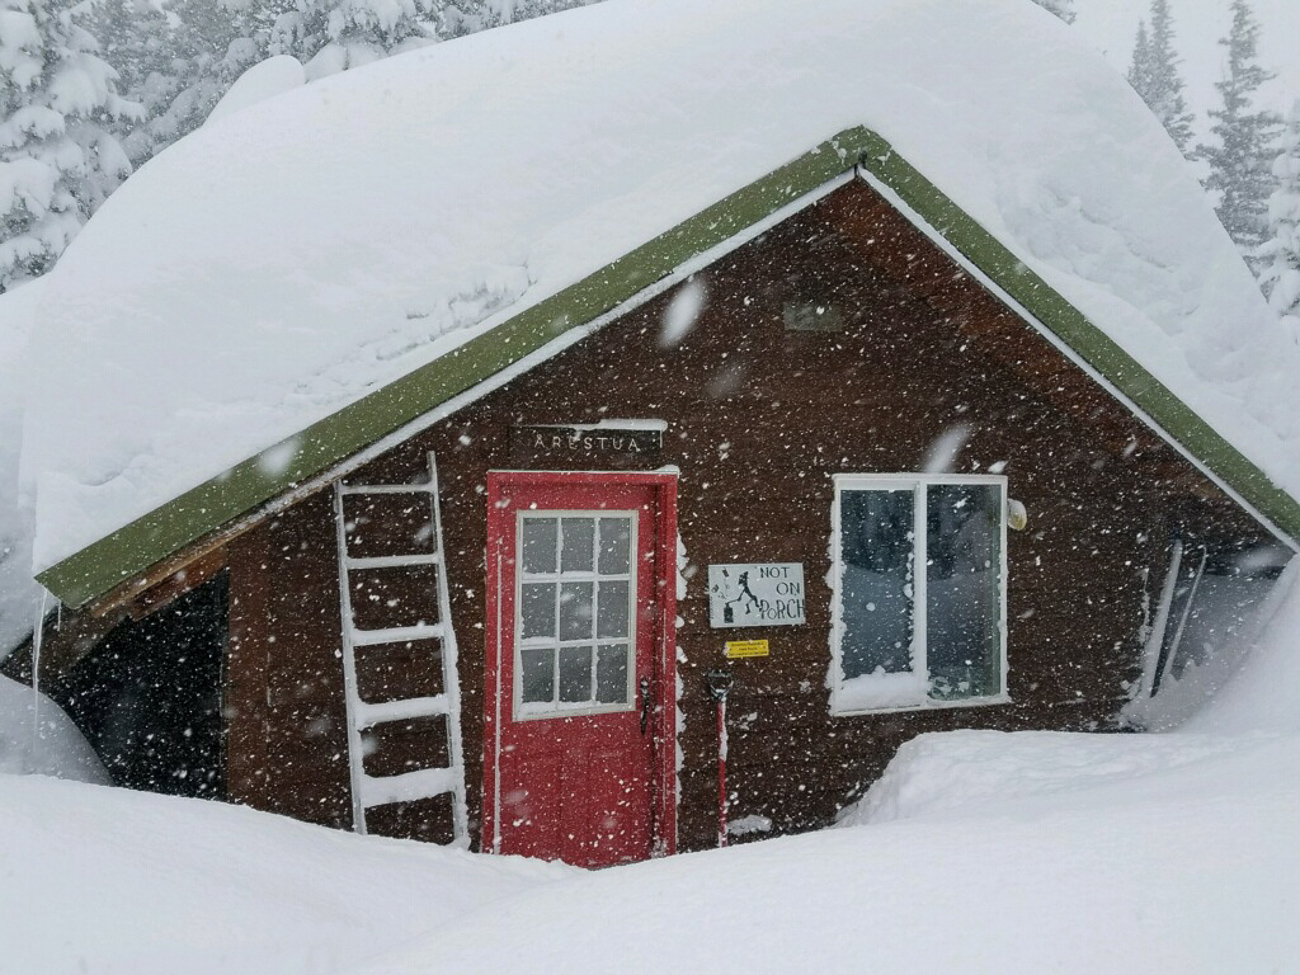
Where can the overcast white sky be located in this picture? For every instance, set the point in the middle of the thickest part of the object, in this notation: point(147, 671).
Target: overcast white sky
point(1111, 25)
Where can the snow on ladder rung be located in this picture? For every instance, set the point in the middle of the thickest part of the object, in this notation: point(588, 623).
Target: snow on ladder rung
point(385, 489)
point(422, 784)
point(396, 634)
point(369, 715)
point(392, 561)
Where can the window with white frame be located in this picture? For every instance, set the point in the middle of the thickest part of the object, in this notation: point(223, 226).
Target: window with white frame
point(576, 636)
point(919, 577)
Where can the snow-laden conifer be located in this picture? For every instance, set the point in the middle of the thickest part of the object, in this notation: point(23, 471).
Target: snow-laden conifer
point(329, 36)
point(176, 62)
point(1240, 161)
point(58, 156)
point(1062, 8)
point(1281, 253)
point(1154, 75)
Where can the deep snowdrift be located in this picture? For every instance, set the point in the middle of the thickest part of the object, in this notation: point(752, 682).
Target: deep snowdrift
point(1191, 869)
point(976, 852)
point(104, 880)
point(283, 261)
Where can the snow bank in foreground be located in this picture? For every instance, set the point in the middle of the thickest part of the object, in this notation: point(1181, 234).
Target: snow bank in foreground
point(953, 772)
point(37, 737)
point(1189, 867)
point(1187, 861)
point(104, 880)
point(977, 852)
point(285, 260)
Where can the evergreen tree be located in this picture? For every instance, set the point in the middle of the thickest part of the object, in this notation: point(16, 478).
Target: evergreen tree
point(68, 135)
point(1154, 75)
point(58, 156)
point(1062, 8)
point(461, 17)
point(179, 64)
point(329, 36)
point(1281, 253)
point(1139, 69)
point(1239, 164)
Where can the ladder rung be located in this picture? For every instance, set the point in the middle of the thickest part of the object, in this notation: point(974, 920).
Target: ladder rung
point(385, 489)
point(391, 561)
point(396, 634)
point(369, 715)
point(422, 784)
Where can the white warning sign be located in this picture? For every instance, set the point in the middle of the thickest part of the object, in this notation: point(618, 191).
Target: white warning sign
point(763, 594)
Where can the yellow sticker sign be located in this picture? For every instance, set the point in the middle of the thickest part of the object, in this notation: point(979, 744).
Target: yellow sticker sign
point(746, 648)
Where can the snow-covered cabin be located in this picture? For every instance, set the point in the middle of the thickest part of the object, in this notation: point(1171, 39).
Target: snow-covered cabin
point(410, 447)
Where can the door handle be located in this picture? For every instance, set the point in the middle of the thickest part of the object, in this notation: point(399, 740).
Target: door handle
point(645, 703)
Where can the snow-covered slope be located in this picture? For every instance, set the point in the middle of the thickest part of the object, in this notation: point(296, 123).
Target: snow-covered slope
point(283, 261)
point(1192, 869)
point(103, 880)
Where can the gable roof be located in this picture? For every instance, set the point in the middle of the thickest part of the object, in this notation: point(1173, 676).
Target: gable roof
point(565, 165)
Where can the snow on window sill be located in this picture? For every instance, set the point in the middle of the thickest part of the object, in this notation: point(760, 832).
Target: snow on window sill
point(882, 693)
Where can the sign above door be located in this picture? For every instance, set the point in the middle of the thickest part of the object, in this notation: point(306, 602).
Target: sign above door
point(597, 440)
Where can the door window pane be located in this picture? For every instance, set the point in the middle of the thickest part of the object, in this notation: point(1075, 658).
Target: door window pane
point(876, 591)
point(613, 603)
point(537, 675)
point(963, 565)
point(539, 545)
point(611, 673)
point(615, 545)
point(575, 610)
point(575, 674)
point(578, 536)
point(537, 610)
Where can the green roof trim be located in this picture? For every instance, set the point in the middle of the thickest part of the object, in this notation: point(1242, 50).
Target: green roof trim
point(98, 568)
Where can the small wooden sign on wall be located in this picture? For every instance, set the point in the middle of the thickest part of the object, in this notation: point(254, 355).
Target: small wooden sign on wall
point(582, 440)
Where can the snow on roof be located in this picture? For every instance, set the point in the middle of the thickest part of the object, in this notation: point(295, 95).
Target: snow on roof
point(284, 261)
point(19, 595)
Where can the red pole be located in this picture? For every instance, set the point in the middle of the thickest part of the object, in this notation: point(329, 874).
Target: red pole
point(722, 771)
point(719, 683)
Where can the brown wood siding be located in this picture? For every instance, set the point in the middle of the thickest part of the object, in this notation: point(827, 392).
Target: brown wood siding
point(759, 418)
point(287, 736)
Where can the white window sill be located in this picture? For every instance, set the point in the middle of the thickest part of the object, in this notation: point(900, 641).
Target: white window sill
point(928, 705)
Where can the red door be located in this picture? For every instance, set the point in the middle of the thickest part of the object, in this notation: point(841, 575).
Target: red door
point(579, 725)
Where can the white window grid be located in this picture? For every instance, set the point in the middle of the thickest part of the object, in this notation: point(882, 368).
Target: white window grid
point(917, 484)
point(555, 708)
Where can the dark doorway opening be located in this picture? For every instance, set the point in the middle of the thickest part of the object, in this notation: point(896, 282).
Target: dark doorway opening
point(148, 698)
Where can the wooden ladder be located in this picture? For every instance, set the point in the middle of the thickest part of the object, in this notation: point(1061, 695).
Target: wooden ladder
point(369, 791)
